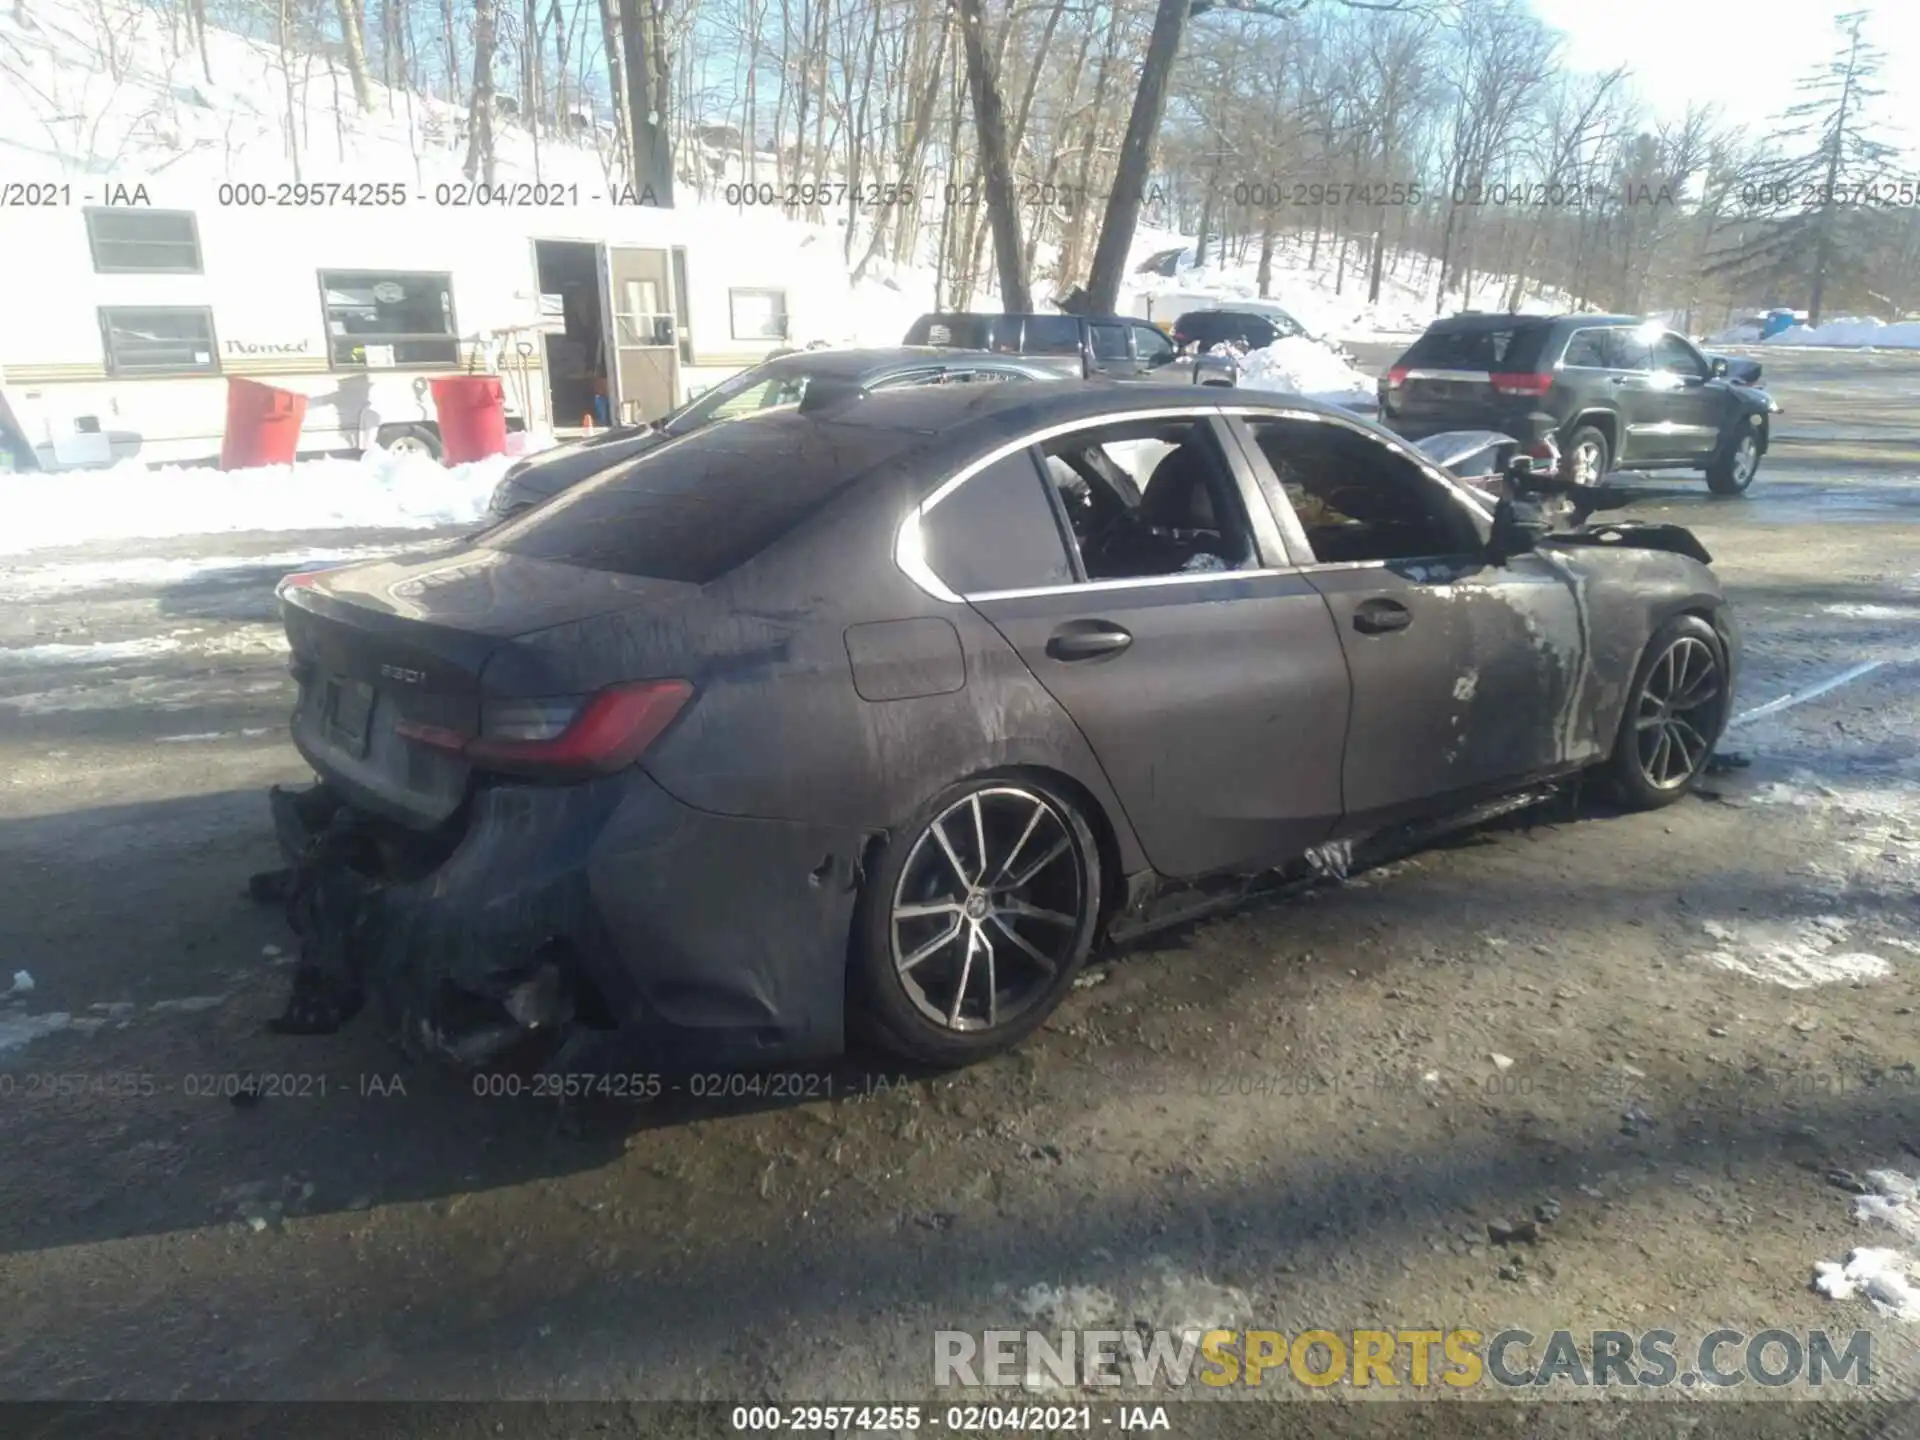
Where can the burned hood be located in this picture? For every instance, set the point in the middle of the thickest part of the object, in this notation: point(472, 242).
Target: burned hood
point(1638, 535)
point(480, 591)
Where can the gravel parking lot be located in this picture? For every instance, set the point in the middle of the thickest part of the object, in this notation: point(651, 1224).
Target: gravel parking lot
point(1668, 1043)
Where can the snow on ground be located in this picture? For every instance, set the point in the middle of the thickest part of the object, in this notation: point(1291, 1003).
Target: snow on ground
point(1311, 288)
point(1299, 366)
point(1882, 1275)
point(381, 490)
point(1850, 330)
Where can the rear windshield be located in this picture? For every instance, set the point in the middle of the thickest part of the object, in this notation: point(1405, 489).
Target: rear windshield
point(966, 332)
point(698, 507)
point(1478, 347)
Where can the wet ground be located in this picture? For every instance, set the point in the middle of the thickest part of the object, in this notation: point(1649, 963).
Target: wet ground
point(1680, 1036)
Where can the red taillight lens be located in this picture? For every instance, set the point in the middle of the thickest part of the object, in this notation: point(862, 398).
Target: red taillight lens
point(609, 732)
point(1396, 377)
point(1523, 384)
point(299, 580)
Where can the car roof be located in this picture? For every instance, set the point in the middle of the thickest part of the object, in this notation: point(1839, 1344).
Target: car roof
point(1507, 320)
point(869, 363)
point(957, 409)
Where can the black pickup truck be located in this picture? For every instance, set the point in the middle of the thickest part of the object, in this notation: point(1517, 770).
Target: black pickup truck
point(1110, 347)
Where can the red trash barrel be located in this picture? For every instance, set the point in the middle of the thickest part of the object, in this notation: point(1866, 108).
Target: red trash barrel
point(263, 425)
point(472, 410)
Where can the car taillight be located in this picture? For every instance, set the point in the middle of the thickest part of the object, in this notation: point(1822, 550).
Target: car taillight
point(555, 739)
point(1523, 384)
point(1396, 377)
point(299, 580)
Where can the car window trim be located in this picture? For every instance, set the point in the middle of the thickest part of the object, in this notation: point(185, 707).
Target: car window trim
point(1589, 330)
point(1288, 521)
point(909, 541)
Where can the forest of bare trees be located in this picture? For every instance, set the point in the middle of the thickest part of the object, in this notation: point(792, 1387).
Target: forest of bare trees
point(1440, 141)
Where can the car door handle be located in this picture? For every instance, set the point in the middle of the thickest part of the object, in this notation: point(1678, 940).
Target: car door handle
point(1087, 641)
point(1380, 617)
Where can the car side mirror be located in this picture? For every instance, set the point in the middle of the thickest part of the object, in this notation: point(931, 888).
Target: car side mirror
point(1518, 527)
point(1719, 367)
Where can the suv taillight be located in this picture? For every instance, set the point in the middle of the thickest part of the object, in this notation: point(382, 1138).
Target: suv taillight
point(557, 739)
point(1535, 384)
point(1396, 377)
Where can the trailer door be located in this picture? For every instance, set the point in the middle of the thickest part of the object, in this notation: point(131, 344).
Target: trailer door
point(644, 358)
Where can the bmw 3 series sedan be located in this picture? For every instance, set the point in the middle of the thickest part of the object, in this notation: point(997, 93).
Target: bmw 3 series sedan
point(874, 717)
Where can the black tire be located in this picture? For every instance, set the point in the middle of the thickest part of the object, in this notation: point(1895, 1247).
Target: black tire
point(909, 1007)
point(1733, 469)
point(410, 437)
point(1686, 661)
point(1584, 438)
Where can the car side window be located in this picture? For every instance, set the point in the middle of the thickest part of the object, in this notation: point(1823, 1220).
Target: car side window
point(1152, 346)
point(1110, 343)
point(1356, 499)
point(1626, 350)
point(1674, 356)
point(1052, 335)
point(1149, 498)
point(1587, 350)
point(909, 378)
point(978, 377)
point(998, 531)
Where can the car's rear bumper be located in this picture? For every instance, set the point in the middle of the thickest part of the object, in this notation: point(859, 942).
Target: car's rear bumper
point(586, 925)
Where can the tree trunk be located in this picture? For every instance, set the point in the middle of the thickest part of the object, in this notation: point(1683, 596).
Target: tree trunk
point(199, 11)
point(453, 50)
point(616, 80)
point(1136, 157)
point(1264, 274)
point(990, 120)
point(480, 115)
point(1083, 176)
point(923, 109)
point(353, 41)
point(646, 102)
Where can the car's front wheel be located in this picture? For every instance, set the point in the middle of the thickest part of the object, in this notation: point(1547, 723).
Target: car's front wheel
point(1733, 469)
point(1675, 711)
point(975, 919)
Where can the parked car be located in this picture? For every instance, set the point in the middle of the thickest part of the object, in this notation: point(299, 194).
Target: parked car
point(877, 717)
point(1611, 390)
point(1106, 347)
point(773, 385)
point(1226, 326)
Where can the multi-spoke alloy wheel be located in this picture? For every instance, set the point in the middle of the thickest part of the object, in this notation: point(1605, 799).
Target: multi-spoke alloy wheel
point(979, 919)
point(1677, 710)
point(1675, 713)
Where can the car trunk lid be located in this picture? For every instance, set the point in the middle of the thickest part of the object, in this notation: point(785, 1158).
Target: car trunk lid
point(406, 643)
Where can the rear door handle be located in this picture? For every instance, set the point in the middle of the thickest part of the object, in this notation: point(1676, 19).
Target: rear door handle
point(1379, 617)
point(1087, 640)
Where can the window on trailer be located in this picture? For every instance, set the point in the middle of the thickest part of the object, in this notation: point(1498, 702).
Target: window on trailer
point(162, 242)
point(758, 314)
point(149, 340)
point(379, 318)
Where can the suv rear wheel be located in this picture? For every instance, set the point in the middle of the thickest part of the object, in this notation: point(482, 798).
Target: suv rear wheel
point(1586, 457)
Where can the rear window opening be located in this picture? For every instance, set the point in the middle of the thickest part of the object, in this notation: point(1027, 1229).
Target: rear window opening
point(700, 506)
point(1505, 348)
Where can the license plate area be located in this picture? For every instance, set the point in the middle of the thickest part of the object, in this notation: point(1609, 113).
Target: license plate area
point(348, 716)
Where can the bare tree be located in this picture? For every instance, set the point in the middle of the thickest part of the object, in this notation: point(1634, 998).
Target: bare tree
point(479, 163)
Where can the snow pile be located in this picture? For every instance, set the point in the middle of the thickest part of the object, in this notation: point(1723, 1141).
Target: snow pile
point(1884, 1276)
point(1793, 956)
point(382, 489)
point(1299, 366)
point(1851, 330)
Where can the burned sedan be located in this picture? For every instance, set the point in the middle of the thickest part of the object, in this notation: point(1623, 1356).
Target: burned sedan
point(875, 718)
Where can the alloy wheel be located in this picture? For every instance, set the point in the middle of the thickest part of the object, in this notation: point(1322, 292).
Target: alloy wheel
point(1746, 457)
point(1675, 716)
point(1584, 463)
point(991, 905)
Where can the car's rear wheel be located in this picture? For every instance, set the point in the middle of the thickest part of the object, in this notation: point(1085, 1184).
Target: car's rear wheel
point(1586, 457)
point(1675, 712)
point(978, 914)
point(1732, 471)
